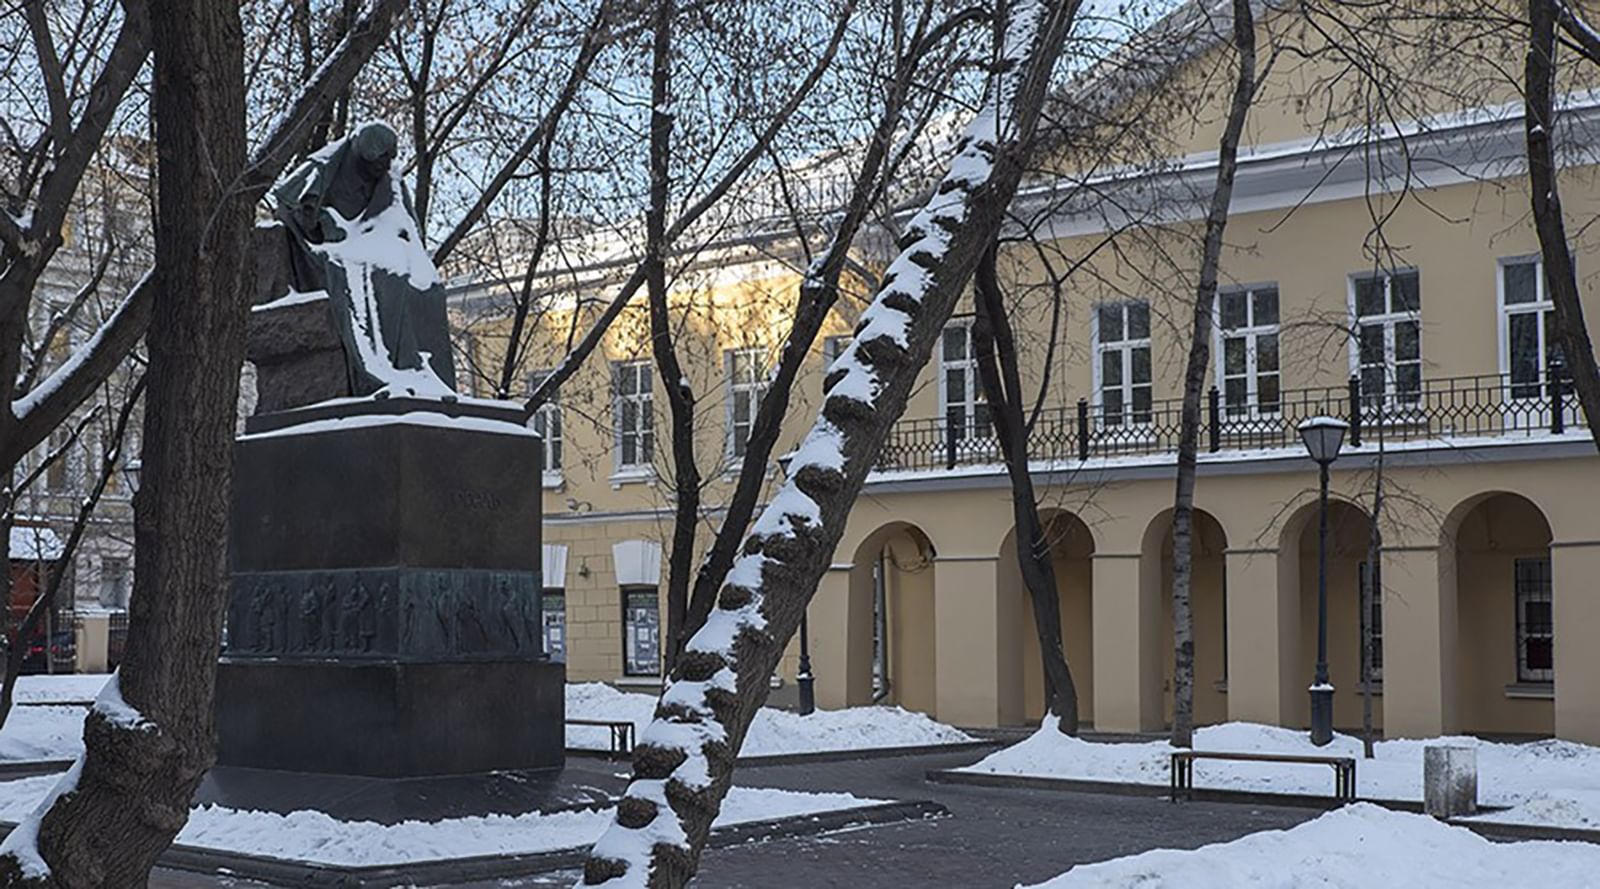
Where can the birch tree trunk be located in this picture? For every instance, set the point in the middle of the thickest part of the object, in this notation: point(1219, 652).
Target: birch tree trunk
point(1559, 272)
point(148, 740)
point(1194, 380)
point(683, 765)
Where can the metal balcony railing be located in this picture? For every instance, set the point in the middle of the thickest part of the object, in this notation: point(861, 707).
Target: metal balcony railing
point(1446, 409)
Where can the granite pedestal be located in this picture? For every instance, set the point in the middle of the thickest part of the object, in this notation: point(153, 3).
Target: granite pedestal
point(384, 615)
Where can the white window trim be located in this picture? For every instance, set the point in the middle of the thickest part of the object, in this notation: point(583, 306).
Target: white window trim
point(763, 357)
point(1394, 412)
point(1250, 332)
point(978, 440)
point(551, 478)
point(630, 472)
point(1504, 311)
point(1097, 388)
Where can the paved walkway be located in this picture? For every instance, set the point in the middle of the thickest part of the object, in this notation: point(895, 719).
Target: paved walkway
point(995, 837)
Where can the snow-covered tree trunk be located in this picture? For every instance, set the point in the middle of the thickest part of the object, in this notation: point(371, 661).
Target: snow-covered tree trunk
point(149, 739)
point(683, 765)
point(1194, 379)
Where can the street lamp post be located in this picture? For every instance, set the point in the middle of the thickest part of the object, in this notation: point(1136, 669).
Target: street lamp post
point(1323, 437)
point(804, 681)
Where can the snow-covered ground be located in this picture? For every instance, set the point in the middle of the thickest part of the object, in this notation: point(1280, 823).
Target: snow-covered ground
point(1541, 782)
point(773, 732)
point(316, 837)
point(66, 687)
point(1356, 847)
point(42, 732)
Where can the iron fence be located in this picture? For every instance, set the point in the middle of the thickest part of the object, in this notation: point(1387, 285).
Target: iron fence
point(1447, 409)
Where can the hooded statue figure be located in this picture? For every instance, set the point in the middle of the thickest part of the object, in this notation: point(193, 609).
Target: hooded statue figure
point(353, 235)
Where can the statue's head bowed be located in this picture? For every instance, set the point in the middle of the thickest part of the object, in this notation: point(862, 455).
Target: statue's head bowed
point(375, 145)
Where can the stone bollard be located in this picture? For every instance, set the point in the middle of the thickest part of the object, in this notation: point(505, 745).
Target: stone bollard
point(1449, 781)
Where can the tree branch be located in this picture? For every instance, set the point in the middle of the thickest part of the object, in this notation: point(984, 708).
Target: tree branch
point(47, 406)
point(574, 359)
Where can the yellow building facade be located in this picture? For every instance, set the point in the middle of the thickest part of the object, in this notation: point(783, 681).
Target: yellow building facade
point(1437, 348)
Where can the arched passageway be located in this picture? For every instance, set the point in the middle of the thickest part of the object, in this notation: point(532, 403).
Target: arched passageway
point(1499, 547)
point(890, 655)
point(1208, 598)
point(1349, 539)
point(1071, 554)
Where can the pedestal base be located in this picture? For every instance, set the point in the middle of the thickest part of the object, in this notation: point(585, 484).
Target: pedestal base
point(389, 719)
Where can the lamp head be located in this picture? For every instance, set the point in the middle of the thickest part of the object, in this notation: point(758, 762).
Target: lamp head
point(1323, 438)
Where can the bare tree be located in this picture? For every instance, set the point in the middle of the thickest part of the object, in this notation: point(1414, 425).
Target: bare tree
point(110, 463)
point(28, 419)
point(683, 766)
point(721, 184)
point(996, 347)
point(880, 166)
point(1559, 270)
point(1194, 377)
point(148, 739)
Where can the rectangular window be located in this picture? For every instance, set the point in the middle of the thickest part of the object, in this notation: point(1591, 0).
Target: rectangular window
point(747, 385)
point(635, 415)
point(58, 475)
point(1371, 662)
point(553, 620)
point(641, 631)
point(833, 347)
point(1536, 644)
point(114, 582)
point(1387, 351)
point(959, 389)
point(1122, 362)
point(1247, 354)
point(547, 422)
point(1529, 340)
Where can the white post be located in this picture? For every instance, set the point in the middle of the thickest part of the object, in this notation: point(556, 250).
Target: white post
point(1449, 781)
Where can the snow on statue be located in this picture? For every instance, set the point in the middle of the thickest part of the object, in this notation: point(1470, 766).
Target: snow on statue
point(352, 233)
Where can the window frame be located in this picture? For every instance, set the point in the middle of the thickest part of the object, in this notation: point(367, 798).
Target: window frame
point(1128, 415)
point(1542, 307)
point(1521, 596)
point(1372, 667)
point(625, 593)
point(124, 587)
point(548, 415)
point(1251, 333)
point(1387, 320)
point(545, 615)
point(973, 404)
point(733, 445)
point(643, 399)
point(58, 475)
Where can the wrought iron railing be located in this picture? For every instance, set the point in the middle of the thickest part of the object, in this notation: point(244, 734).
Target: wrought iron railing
point(1444, 409)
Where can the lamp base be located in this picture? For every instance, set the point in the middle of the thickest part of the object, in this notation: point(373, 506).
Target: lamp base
point(1321, 714)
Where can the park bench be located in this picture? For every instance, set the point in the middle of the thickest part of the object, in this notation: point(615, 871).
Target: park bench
point(621, 733)
point(1344, 769)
